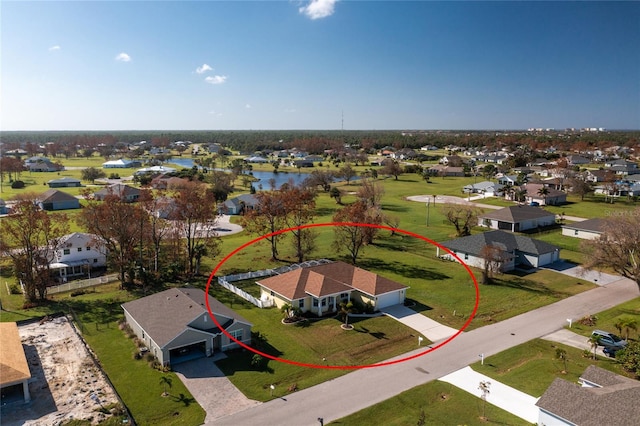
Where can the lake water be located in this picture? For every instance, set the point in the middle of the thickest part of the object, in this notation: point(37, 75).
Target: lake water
point(263, 177)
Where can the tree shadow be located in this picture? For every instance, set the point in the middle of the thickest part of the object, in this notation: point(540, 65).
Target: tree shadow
point(402, 269)
point(184, 399)
point(376, 334)
point(395, 208)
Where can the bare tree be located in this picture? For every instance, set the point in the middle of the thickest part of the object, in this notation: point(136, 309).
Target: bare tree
point(267, 217)
point(347, 173)
point(300, 209)
point(119, 225)
point(494, 258)
point(484, 387)
point(462, 216)
point(618, 247)
point(370, 192)
point(30, 237)
point(392, 168)
point(196, 216)
point(351, 237)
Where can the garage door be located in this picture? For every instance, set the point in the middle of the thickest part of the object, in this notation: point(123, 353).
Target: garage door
point(187, 353)
point(388, 299)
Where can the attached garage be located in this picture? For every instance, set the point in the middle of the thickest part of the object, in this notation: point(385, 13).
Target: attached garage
point(176, 327)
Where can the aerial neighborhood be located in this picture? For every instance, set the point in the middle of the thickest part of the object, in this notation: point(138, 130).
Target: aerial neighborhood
point(267, 272)
point(319, 212)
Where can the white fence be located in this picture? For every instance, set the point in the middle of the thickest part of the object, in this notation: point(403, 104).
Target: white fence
point(246, 296)
point(227, 280)
point(74, 285)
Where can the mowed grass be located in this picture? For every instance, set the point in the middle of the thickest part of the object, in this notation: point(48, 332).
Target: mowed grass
point(442, 404)
point(606, 320)
point(322, 343)
point(533, 366)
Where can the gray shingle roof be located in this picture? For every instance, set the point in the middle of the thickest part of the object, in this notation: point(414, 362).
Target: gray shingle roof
point(53, 196)
point(164, 315)
point(592, 225)
point(615, 403)
point(474, 244)
point(514, 214)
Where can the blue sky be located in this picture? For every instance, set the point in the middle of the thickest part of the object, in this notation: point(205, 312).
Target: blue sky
point(241, 65)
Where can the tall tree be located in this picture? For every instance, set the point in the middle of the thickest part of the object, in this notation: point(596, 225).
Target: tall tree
point(493, 258)
point(392, 168)
point(91, 174)
point(347, 173)
point(196, 216)
point(159, 207)
point(462, 216)
point(30, 237)
point(300, 209)
point(618, 247)
point(543, 192)
point(120, 226)
point(268, 216)
point(353, 238)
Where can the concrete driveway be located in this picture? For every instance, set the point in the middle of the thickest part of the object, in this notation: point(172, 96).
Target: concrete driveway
point(213, 391)
point(580, 273)
point(429, 328)
point(569, 338)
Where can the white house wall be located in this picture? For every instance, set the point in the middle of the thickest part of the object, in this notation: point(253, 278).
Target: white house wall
point(577, 233)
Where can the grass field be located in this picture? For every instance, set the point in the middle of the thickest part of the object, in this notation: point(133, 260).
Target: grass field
point(442, 404)
point(533, 366)
point(607, 320)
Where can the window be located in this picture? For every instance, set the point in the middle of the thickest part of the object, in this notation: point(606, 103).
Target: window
point(344, 296)
point(236, 334)
point(67, 251)
point(95, 260)
point(79, 249)
point(301, 303)
point(324, 302)
point(315, 303)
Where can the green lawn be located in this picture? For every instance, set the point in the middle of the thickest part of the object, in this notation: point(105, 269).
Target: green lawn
point(607, 319)
point(320, 342)
point(533, 366)
point(442, 404)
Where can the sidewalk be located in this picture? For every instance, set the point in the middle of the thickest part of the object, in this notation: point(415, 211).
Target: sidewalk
point(429, 328)
point(509, 399)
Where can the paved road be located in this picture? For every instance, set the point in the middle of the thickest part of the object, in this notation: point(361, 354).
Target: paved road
point(357, 390)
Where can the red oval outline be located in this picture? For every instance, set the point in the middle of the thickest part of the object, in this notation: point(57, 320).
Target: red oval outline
point(344, 367)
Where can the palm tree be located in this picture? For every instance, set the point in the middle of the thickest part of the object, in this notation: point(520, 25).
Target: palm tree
point(521, 195)
point(629, 324)
point(164, 382)
point(345, 310)
point(594, 341)
point(286, 310)
point(619, 325)
point(484, 392)
point(544, 191)
point(562, 355)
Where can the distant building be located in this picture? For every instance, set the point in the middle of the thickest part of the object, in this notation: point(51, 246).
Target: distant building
point(121, 164)
point(126, 193)
point(590, 229)
point(54, 199)
point(65, 182)
point(517, 218)
point(78, 254)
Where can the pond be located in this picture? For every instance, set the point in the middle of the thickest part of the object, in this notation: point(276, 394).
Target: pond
point(263, 177)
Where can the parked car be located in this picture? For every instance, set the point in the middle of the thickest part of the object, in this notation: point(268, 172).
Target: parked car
point(609, 340)
point(610, 351)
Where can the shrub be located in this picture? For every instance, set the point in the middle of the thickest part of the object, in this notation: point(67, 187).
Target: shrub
point(137, 355)
point(78, 292)
point(14, 289)
point(149, 357)
point(18, 184)
point(114, 176)
point(589, 320)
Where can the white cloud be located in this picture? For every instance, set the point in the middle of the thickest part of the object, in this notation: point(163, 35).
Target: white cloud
point(54, 48)
point(318, 9)
point(290, 110)
point(214, 112)
point(248, 106)
point(216, 79)
point(204, 68)
point(123, 57)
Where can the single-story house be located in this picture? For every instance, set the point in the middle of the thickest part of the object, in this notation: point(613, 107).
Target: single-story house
point(441, 170)
point(256, 159)
point(126, 193)
point(239, 204)
point(518, 250)
point(486, 187)
point(577, 160)
point(599, 398)
point(508, 180)
point(155, 170)
point(517, 218)
point(175, 325)
point(553, 197)
point(14, 369)
point(168, 182)
point(77, 255)
point(65, 182)
point(303, 163)
point(587, 230)
point(121, 164)
point(320, 289)
point(54, 199)
point(43, 165)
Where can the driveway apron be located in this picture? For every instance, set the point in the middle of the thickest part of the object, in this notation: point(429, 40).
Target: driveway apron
point(429, 328)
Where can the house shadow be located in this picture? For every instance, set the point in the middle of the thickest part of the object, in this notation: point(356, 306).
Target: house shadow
point(402, 269)
point(42, 402)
